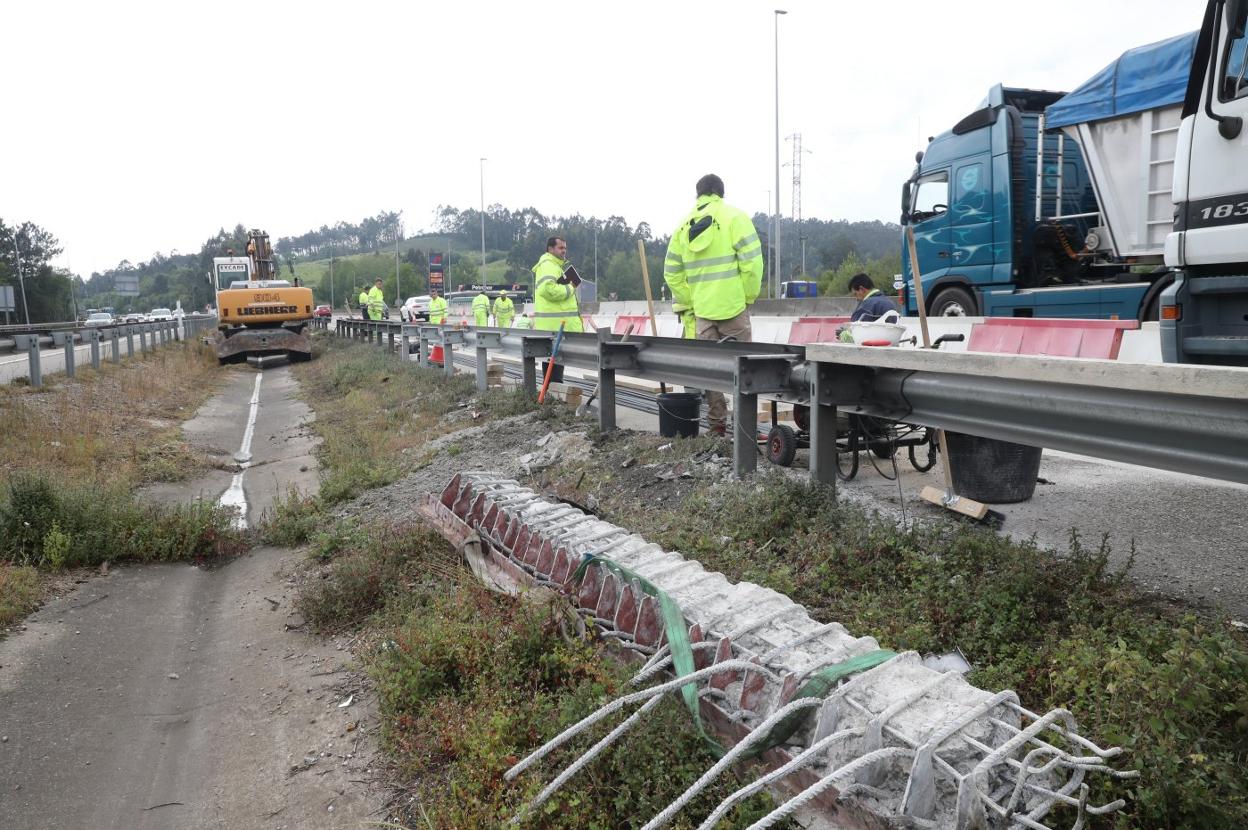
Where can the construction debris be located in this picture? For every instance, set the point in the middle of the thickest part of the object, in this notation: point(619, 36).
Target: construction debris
point(864, 734)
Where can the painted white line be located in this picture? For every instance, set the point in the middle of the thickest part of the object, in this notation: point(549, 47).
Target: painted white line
point(234, 497)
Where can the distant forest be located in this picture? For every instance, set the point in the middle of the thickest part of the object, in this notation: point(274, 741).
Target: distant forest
point(363, 250)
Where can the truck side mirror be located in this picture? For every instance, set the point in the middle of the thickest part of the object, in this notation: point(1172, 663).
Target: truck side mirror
point(905, 202)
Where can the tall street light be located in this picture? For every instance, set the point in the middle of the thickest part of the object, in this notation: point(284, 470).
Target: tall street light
point(17, 255)
point(775, 231)
point(482, 177)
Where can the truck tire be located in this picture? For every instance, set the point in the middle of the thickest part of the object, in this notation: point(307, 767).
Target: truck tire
point(954, 302)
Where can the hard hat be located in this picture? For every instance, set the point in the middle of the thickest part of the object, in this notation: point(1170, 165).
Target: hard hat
point(502, 293)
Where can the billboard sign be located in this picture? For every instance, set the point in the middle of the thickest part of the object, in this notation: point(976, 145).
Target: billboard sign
point(127, 285)
point(6, 298)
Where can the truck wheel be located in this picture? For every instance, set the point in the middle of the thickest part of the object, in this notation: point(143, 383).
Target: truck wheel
point(954, 302)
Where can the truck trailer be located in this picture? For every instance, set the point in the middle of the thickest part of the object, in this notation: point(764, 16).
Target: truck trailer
point(1052, 204)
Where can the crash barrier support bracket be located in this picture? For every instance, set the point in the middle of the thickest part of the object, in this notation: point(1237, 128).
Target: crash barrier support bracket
point(428, 334)
point(755, 375)
point(65, 339)
point(450, 338)
point(93, 337)
point(405, 341)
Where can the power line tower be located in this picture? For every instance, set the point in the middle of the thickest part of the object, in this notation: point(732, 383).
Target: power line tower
point(796, 164)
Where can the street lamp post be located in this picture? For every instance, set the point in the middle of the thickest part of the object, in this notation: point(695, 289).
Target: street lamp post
point(482, 178)
point(331, 276)
point(775, 231)
point(17, 255)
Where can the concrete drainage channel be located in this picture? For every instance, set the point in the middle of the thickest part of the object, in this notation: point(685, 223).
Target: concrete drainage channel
point(866, 737)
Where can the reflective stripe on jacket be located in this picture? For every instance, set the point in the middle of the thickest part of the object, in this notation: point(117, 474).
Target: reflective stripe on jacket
point(437, 311)
point(553, 302)
point(714, 262)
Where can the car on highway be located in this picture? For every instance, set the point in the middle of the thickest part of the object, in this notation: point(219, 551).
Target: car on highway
point(160, 315)
point(323, 311)
point(99, 318)
point(134, 317)
point(416, 308)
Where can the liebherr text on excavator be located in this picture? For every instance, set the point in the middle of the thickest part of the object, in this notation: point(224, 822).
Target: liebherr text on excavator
point(259, 315)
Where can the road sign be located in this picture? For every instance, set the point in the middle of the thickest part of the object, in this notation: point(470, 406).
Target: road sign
point(6, 298)
point(127, 285)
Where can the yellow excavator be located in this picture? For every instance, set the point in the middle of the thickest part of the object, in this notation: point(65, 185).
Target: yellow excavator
point(259, 315)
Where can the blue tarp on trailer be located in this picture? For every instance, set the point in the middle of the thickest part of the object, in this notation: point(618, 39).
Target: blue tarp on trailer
point(1142, 78)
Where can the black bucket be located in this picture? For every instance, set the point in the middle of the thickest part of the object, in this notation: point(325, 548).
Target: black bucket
point(992, 471)
point(679, 413)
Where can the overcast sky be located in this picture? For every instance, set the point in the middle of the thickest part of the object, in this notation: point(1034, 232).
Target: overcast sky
point(145, 127)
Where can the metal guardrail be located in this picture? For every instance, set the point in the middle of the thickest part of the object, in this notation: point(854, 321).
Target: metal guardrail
point(1189, 419)
point(150, 335)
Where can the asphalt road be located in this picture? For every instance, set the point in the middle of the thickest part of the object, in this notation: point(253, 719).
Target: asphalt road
point(177, 696)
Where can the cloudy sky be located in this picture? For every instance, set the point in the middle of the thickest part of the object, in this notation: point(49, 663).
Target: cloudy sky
point(132, 128)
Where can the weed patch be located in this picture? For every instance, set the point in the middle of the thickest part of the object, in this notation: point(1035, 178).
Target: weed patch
point(20, 592)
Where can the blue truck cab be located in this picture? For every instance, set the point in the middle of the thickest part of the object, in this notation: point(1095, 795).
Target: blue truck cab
point(1014, 216)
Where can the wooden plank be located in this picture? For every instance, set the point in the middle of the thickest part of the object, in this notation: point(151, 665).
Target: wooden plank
point(958, 504)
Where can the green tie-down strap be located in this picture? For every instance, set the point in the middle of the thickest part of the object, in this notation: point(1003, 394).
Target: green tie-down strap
point(818, 685)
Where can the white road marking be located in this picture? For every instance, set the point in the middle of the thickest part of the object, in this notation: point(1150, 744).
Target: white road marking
point(234, 497)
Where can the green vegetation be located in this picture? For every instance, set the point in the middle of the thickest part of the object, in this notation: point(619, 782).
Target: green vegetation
point(1063, 630)
point(48, 291)
point(21, 590)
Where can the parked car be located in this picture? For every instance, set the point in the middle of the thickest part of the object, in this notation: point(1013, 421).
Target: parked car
point(160, 315)
point(416, 308)
point(99, 318)
point(323, 311)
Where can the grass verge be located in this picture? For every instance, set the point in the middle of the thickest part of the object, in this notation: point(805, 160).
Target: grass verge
point(72, 456)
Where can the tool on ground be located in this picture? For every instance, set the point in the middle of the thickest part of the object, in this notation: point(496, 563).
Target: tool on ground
point(948, 499)
point(587, 407)
point(550, 367)
point(645, 280)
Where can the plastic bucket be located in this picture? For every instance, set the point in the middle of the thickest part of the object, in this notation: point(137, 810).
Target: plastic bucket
point(992, 471)
point(679, 414)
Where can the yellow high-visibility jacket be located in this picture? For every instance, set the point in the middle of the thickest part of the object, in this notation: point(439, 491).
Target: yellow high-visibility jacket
point(553, 302)
point(714, 262)
point(504, 311)
point(688, 321)
point(481, 309)
point(437, 311)
point(376, 302)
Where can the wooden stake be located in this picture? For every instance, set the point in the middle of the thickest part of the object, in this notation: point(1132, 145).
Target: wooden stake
point(645, 280)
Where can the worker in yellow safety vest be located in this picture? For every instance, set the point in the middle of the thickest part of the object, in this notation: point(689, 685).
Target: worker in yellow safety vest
point(554, 299)
point(523, 321)
point(714, 265)
point(481, 309)
point(364, 303)
point(504, 310)
point(437, 308)
point(376, 301)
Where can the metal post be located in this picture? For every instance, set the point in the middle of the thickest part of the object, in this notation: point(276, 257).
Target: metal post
point(422, 356)
point(822, 428)
point(745, 426)
point(606, 400)
point(130, 341)
point(70, 367)
point(483, 359)
point(114, 338)
point(528, 382)
point(31, 343)
point(406, 344)
point(94, 337)
point(390, 337)
point(775, 234)
point(482, 177)
point(143, 331)
point(448, 356)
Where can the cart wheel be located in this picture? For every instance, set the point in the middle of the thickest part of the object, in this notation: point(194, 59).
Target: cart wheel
point(801, 417)
point(782, 445)
point(926, 452)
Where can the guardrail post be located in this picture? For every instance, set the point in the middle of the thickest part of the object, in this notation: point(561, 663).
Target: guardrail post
point(30, 342)
point(822, 426)
point(130, 341)
point(450, 337)
point(486, 340)
point(423, 346)
point(745, 422)
point(405, 341)
point(531, 348)
point(390, 339)
point(65, 339)
point(114, 341)
point(93, 336)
